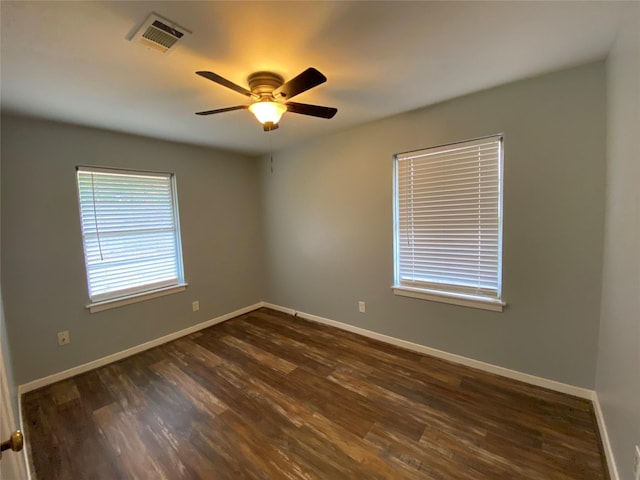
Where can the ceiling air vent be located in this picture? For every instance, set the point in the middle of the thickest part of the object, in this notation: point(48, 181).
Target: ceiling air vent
point(159, 33)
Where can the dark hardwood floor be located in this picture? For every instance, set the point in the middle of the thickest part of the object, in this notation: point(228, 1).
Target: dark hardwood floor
point(269, 396)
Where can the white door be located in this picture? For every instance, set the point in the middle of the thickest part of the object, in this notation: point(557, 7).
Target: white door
point(12, 464)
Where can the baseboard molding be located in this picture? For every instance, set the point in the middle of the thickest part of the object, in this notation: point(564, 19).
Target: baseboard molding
point(56, 377)
point(452, 357)
point(604, 435)
point(487, 367)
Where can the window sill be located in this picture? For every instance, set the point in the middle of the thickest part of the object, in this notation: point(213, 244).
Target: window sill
point(451, 298)
point(139, 297)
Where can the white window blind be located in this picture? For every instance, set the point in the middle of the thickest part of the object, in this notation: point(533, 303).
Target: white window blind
point(130, 232)
point(448, 219)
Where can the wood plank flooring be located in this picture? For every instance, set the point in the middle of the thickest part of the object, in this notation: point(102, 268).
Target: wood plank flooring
point(269, 396)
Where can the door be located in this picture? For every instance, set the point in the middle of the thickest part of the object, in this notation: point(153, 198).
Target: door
point(12, 464)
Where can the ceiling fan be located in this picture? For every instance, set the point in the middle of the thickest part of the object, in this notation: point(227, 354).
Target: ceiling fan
point(271, 94)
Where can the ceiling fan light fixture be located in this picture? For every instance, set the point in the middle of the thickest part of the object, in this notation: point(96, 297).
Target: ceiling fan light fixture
point(268, 112)
point(267, 88)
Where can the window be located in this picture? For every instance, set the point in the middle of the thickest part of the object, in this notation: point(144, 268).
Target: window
point(130, 233)
point(448, 223)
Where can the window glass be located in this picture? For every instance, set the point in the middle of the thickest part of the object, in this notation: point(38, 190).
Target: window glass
point(448, 219)
point(130, 232)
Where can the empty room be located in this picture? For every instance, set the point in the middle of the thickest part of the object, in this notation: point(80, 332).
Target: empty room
point(320, 240)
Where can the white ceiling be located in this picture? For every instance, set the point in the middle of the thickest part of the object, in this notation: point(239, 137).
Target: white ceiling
point(72, 61)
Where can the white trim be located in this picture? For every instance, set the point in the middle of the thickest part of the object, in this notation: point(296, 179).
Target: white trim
point(450, 297)
point(273, 306)
point(114, 357)
point(452, 357)
point(604, 435)
point(135, 298)
point(17, 463)
point(487, 367)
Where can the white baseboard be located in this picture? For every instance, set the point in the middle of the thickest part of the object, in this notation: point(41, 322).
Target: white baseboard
point(606, 444)
point(487, 367)
point(452, 357)
point(56, 377)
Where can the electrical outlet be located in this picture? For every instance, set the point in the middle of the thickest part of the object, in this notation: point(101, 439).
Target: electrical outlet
point(63, 338)
point(195, 306)
point(636, 464)
point(361, 307)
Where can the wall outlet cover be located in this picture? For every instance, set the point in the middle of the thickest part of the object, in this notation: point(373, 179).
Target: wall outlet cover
point(63, 338)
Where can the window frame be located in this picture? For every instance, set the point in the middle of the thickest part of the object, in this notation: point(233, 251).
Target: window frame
point(119, 297)
point(442, 292)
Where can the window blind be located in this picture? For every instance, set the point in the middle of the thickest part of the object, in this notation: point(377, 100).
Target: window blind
point(448, 228)
point(129, 230)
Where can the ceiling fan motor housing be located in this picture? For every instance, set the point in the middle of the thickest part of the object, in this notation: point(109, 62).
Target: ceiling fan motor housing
point(264, 83)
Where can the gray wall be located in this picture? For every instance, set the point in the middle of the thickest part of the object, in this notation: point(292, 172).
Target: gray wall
point(43, 275)
point(618, 370)
point(328, 225)
point(327, 221)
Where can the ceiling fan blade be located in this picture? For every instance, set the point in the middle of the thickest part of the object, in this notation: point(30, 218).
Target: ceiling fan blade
point(222, 110)
point(306, 80)
point(312, 110)
point(214, 77)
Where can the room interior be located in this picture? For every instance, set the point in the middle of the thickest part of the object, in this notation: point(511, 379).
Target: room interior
point(300, 219)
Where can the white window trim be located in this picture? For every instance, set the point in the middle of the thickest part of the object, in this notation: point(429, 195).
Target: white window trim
point(154, 291)
point(451, 297)
point(138, 297)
